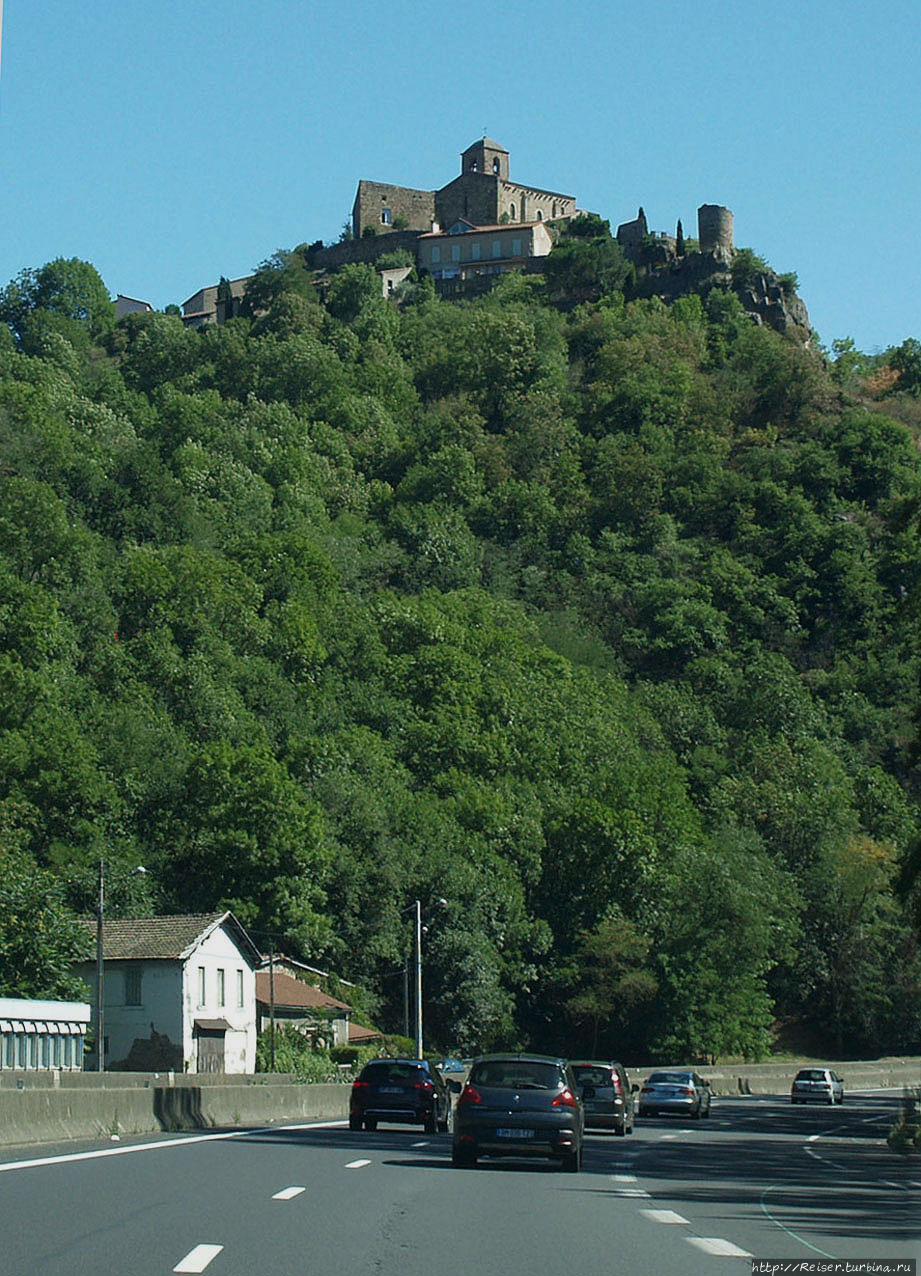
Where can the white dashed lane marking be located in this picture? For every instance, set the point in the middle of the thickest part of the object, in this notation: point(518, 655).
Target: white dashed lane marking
point(287, 1193)
point(423, 1144)
point(357, 1165)
point(664, 1216)
point(718, 1247)
point(198, 1258)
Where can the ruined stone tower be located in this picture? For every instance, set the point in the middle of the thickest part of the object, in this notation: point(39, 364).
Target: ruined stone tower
point(714, 230)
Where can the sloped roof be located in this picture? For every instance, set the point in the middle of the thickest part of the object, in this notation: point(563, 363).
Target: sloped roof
point(166, 938)
point(359, 1035)
point(488, 143)
point(292, 992)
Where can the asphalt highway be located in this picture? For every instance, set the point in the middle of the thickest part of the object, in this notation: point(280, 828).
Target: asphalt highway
point(760, 1178)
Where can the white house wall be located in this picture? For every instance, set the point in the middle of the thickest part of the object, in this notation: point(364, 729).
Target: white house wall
point(219, 952)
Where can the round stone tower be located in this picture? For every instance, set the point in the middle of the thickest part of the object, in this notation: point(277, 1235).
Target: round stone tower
point(714, 229)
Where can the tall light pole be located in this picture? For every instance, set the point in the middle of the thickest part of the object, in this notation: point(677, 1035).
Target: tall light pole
point(139, 871)
point(100, 1013)
point(418, 909)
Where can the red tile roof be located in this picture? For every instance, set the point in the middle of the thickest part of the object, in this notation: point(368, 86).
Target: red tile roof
point(291, 993)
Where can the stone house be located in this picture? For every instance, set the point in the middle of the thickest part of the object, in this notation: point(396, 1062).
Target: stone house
point(207, 306)
point(179, 993)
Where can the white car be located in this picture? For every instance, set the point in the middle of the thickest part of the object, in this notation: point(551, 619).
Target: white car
point(820, 1085)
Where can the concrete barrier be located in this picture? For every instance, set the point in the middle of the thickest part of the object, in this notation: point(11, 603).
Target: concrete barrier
point(776, 1078)
point(35, 1110)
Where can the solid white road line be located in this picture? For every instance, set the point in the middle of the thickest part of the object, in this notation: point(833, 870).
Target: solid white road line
point(288, 1193)
point(357, 1165)
point(664, 1216)
point(186, 1141)
point(198, 1258)
point(423, 1144)
point(624, 1178)
point(717, 1246)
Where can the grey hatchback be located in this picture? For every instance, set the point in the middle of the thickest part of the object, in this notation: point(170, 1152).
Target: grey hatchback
point(606, 1094)
point(519, 1105)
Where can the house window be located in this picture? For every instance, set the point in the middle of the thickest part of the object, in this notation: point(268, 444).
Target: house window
point(516, 247)
point(133, 986)
point(455, 252)
point(385, 216)
point(220, 987)
point(436, 253)
point(8, 1041)
point(56, 1051)
point(497, 247)
point(554, 209)
point(240, 989)
point(511, 212)
point(475, 252)
point(201, 985)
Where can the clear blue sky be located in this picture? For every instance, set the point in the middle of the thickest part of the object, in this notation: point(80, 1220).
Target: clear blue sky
point(170, 142)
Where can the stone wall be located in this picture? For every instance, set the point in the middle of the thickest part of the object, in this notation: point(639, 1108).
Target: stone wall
point(474, 197)
point(417, 207)
point(367, 249)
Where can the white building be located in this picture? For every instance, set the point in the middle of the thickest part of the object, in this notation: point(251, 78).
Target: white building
point(465, 251)
point(179, 993)
point(39, 1036)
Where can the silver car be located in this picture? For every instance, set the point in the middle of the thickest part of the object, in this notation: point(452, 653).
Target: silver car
point(817, 1085)
point(675, 1090)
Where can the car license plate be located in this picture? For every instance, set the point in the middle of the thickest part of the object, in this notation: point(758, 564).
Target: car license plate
point(514, 1134)
point(391, 1089)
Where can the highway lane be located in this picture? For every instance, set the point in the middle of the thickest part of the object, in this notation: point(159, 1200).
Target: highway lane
point(675, 1199)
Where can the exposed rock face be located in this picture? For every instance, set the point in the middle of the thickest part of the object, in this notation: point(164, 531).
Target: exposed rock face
point(661, 273)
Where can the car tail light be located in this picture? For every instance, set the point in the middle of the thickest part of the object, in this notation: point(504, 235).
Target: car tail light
point(360, 1085)
point(565, 1099)
point(469, 1095)
point(688, 1092)
point(425, 1085)
point(615, 1082)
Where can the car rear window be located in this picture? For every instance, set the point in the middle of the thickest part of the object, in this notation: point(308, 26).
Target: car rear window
point(672, 1078)
point(518, 1074)
point(810, 1074)
point(393, 1074)
point(593, 1076)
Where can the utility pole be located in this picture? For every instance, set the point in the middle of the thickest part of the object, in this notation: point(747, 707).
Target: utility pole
point(272, 1007)
point(418, 908)
point(100, 1013)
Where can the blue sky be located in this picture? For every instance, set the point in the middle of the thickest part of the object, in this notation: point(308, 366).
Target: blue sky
point(170, 142)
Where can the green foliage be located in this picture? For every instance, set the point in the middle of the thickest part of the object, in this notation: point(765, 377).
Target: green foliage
point(40, 938)
point(596, 619)
point(746, 268)
point(906, 361)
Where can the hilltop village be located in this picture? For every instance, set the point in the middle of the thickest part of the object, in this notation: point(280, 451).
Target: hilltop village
point(482, 224)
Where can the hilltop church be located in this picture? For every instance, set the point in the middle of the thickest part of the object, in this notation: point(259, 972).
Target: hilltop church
point(483, 195)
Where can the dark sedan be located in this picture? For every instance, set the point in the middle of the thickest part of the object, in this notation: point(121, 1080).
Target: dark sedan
point(410, 1091)
point(519, 1105)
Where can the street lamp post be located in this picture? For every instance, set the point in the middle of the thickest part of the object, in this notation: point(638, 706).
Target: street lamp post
point(139, 871)
point(418, 919)
point(416, 909)
point(100, 1013)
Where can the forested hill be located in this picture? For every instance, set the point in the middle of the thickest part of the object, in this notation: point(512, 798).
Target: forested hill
point(597, 620)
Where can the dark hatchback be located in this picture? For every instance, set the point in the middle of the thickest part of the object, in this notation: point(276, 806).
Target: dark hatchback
point(519, 1105)
point(408, 1091)
point(607, 1095)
